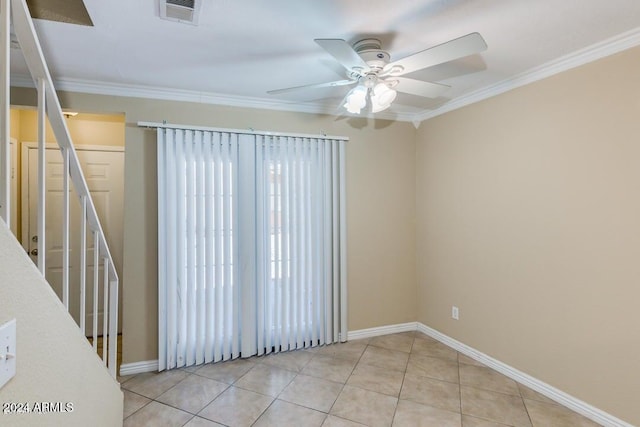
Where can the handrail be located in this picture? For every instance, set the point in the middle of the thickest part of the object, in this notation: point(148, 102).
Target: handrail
point(48, 102)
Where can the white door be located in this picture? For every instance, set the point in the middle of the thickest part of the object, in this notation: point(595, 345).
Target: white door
point(104, 173)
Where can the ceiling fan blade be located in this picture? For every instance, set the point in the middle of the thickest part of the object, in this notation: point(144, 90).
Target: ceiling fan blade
point(445, 52)
point(312, 86)
point(343, 53)
point(420, 88)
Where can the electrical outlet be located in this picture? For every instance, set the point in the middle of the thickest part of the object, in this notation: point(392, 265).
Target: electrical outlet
point(455, 314)
point(7, 351)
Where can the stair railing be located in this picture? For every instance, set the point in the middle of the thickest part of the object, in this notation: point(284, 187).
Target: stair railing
point(17, 13)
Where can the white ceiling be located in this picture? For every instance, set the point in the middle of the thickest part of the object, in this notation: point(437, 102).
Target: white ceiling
point(242, 49)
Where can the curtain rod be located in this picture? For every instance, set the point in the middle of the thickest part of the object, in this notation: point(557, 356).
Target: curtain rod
point(249, 131)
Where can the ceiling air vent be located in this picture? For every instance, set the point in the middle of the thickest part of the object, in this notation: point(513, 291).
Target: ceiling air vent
point(185, 11)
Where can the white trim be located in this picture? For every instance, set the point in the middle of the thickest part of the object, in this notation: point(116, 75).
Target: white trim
point(78, 147)
point(24, 205)
point(238, 131)
point(583, 56)
point(167, 94)
point(541, 387)
point(152, 365)
point(575, 59)
point(381, 330)
point(5, 114)
point(573, 403)
point(138, 367)
point(13, 191)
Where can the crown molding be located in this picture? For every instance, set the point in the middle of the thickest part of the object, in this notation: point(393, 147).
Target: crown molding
point(167, 94)
point(591, 53)
point(575, 59)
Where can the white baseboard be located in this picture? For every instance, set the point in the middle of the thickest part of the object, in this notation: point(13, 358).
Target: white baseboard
point(381, 330)
point(541, 387)
point(138, 367)
point(152, 365)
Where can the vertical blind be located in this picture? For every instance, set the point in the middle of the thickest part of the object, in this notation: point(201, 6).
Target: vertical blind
point(251, 244)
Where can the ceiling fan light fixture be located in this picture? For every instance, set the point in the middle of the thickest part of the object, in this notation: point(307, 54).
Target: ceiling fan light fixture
point(377, 77)
point(356, 99)
point(381, 97)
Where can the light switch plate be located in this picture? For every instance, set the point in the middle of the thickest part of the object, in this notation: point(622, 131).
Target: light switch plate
point(7, 352)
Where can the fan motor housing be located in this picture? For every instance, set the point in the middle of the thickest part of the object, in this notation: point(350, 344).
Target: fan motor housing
point(370, 51)
point(375, 59)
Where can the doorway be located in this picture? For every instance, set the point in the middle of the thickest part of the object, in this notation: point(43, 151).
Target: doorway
point(103, 168)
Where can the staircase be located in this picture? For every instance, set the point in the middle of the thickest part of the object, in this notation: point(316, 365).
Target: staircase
point(104, 285)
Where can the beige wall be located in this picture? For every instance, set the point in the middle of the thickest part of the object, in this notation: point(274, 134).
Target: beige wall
point(528, 219)
point(85, 129)
point(54, 363)
point(14, 123)
point(380, 211)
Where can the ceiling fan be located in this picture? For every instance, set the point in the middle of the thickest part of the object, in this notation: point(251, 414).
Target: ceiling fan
point(378, 79)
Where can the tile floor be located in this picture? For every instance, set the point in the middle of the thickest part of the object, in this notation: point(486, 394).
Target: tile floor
point(405, 379)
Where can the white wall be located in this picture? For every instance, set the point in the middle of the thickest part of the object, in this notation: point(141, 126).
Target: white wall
point(55, 363)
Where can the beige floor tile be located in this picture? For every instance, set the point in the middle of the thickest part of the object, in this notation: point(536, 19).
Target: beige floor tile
point(158, 415)
point(285, 414)
point(462, 358)
point(551, 415)
point(133, 402)
point(329, 368)
point(333, 421)
point(201, 422)
point(398, 342)
point(530, 394)
point(422, 336)
point(410, 334)
point(124, 378)
point(493, 406)
point(315, 348)
point(433, 348)
point(376, 379)
point(291, 360)
point(311, 392)
point(226, 372)
point(385, 358)
point(364, 341)
point(266, 379)
point(193, 393)
point(364, 406)
point(427, 391)
point(236, 407)
point(433, 367)
point(468, 421)
point(384, 385)
point(153, 384)
point(417, 415)
point(487, 379)
point(351, 350)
